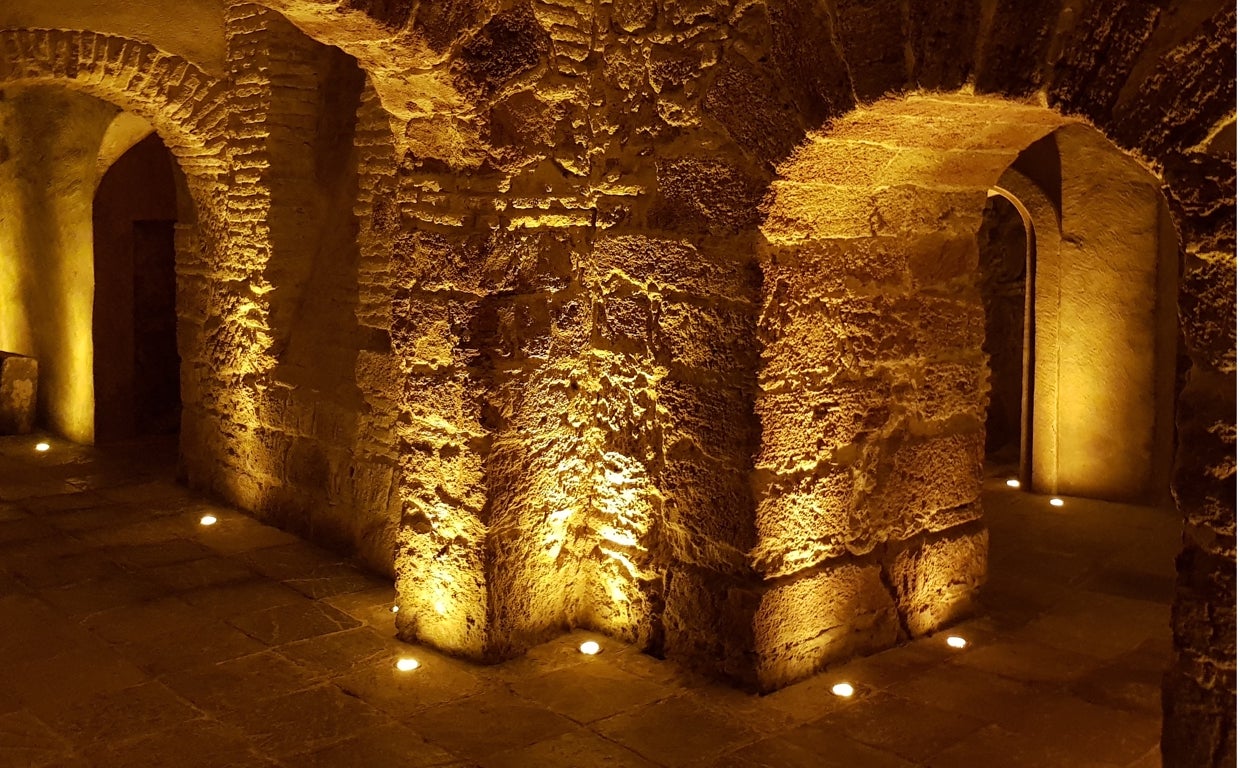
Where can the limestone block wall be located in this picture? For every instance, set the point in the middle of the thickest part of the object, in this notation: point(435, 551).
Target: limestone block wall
point(874, 382)
point(288, 425)
point(549, 125)
point(657, 317)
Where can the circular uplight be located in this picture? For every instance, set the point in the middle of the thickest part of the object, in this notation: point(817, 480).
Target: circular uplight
point(395, 609)
point(843, 690)
point(956, 641)
point(407, 664)
point(208, 520)
point(41, 447)
point(1057, 502)
point(590, 648)
point(1013, 483)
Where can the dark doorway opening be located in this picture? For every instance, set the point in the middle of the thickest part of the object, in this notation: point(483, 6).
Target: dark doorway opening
point(1003, 256)
point(137, 367)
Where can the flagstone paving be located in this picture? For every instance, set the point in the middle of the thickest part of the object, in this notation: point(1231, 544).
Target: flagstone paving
point(131, 635)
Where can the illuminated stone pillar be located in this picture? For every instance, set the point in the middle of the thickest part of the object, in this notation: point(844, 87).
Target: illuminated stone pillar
point(47, 282)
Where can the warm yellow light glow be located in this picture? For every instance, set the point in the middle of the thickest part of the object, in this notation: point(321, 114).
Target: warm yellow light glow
point(208, 520)
point(590, 648)
point(42, 447)
point(843, 690)
point(1013, 483)
point(395, 609)
point(955, 641)
point(1056, 502)
point(407, 664)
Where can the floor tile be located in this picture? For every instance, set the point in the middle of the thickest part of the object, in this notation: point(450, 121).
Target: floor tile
point(675, 732)
point(511, 724)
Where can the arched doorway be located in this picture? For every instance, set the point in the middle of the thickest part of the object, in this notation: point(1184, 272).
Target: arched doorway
point(136, 368)
point(1078, 270)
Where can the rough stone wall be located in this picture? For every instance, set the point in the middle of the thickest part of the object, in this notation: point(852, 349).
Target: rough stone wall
point(289, 352)
point(574, 221)
point(715, 132)
point(873, 386)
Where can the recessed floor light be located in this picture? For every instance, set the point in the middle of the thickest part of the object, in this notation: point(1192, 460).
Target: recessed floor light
point(208, 520)
point(843, 690)
point(956, 641)
point(1056, 502)
point(395, 609)
point(1013, 483)
point(407, 664)
point(590, 648)
point(40, 447)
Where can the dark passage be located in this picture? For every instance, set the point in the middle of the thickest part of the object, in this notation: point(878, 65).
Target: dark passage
point(1001, 263)
point(137, 368)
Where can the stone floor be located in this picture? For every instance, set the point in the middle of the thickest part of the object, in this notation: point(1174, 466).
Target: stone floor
point(130, 635)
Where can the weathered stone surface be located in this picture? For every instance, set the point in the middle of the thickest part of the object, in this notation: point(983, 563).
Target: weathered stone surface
point(1177, 105)
point(816, 74)
point(874, 40)
point(1208, 308)
point(477, 284)
point(1013, 49)
point(943, 38)
point(1201, 189)
point(19, 387)
point(510, 43)
point(820, 617)
point(936, 580)
point(1099, 56)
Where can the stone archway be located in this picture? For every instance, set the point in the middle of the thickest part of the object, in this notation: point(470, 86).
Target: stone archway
point(187, 106)
point(873, 383)
point(188, 109)
point(1101, 351)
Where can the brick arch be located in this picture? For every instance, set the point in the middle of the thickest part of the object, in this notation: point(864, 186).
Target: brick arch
point(189, 109)
point(186, 106)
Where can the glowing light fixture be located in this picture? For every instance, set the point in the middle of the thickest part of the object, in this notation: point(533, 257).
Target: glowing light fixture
point(208, 520)
point(843, 690)
point(40, 447)
point(407, 664)
point(956, 641)
point(395, 609)
point(1056, 502)
point(590, 648)
point(1013, 483)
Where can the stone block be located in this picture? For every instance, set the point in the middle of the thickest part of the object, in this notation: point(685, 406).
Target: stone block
point(711, 502)
point(805, 519)
point(926, 484)
point(718, 420)
point(827, 615)
point(719, 339)
point(807, 271)
point(19, 385)
point(937, 579)
point(708, 622)
point(803, 426)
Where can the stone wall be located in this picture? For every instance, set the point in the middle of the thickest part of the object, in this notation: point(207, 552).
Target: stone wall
point(626, 315)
